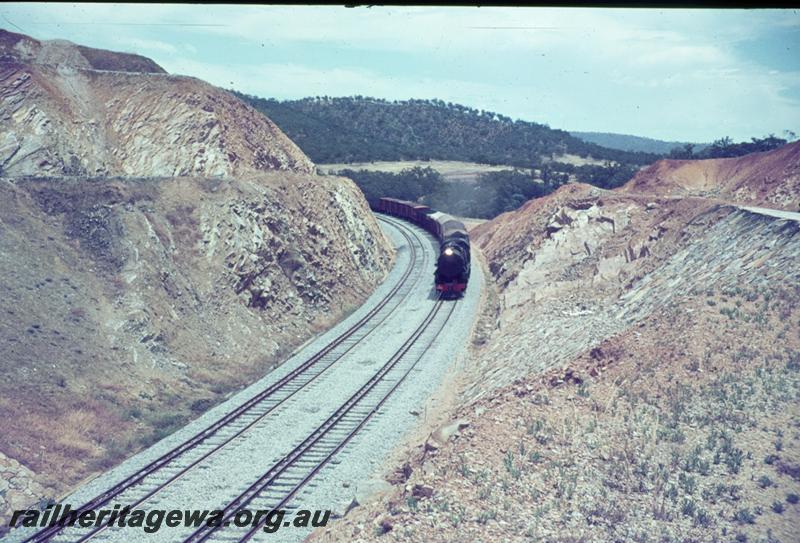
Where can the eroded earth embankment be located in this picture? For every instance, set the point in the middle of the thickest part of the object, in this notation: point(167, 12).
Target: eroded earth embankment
point(638, 380)
point(130, 306)
point(161, 244)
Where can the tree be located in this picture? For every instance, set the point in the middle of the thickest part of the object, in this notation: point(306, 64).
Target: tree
point(685, 152)
point(364, 129)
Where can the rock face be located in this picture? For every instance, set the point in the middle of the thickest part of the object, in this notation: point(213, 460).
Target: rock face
point(62, 115)
point(161, 244)
point(22, 48)
point(769, 179)
point(584, 264)
point(644, 353)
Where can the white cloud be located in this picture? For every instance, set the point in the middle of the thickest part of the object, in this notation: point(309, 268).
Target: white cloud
point(662, 73)
point(143, 46)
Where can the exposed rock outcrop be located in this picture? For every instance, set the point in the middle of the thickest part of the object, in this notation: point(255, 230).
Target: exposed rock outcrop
point(62, 115)
point(639, 378)
point(583, 264)
point(24, 49)
point(161, 244)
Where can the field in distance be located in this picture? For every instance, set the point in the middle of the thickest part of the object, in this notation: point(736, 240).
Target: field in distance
point(451, 170)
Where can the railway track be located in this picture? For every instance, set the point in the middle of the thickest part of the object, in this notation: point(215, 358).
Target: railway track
point(170, 467)
point(283, 481)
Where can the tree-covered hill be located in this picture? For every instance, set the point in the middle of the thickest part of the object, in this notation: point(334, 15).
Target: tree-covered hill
point(359, 129)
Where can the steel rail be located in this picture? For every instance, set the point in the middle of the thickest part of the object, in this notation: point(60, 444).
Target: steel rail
point(332, 423)
point(139, 476)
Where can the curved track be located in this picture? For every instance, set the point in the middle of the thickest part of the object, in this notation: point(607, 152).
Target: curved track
point(275, 489)
point(170, 467)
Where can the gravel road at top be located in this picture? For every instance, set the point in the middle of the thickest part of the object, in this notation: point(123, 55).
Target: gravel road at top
point(780, 214)
point(222, 476)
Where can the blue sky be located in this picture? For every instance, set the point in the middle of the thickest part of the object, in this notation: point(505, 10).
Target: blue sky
point(688, 75)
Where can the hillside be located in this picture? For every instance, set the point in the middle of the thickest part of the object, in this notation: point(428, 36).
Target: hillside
point(635, 375)
point(21, 48)
point(626, 142)
point(359, 129)
point(770, 179)
point(61, 116)
point(161, 245)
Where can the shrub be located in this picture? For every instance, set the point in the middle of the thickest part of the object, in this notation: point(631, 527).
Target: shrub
point(744, 516)
point(764, 481)
point(688, 507)
point(202, 405)
point(770, 459)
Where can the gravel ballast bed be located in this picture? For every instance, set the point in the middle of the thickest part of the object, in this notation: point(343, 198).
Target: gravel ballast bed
point(225, 474)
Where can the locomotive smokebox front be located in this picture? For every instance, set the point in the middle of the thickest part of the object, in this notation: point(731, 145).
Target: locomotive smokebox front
point(452, 262)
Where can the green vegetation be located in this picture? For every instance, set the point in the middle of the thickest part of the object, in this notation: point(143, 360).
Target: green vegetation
point(492, 194)
point(607, 176)
point(362, 129)
point(358, 129)
point(411, 184)
point(627, 142)
point(725, 148)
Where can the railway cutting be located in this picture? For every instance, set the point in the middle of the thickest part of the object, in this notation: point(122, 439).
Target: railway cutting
point(407, 327)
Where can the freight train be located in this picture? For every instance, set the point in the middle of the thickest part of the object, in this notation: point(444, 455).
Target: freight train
point(452, 266)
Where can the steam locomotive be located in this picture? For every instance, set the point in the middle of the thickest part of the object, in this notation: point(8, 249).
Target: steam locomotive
point(453, 264)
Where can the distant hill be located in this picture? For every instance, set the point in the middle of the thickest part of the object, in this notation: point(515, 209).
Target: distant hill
point(361, 129)
point(626, 142)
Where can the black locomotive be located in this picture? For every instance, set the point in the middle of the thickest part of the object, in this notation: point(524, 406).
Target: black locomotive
point(453, 264)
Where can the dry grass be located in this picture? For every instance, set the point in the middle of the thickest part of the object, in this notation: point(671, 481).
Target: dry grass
point(450, 169)
point(580, 161)
point(689, 431)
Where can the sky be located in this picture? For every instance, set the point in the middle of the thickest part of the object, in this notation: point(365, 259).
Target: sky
point(673, 74)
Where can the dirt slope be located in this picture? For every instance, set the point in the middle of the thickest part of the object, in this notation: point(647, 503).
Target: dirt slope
point(132, 303)
point(636, 380)
point(22, 48)
point(61, 116)
point(770, 179)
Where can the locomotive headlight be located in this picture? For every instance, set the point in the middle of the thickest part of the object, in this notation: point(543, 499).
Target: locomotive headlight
point(448, 251)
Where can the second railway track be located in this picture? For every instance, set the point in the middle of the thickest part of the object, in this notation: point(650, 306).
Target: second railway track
point(285, 479)
point(157, 475)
